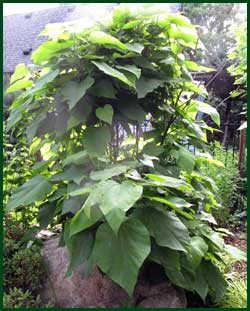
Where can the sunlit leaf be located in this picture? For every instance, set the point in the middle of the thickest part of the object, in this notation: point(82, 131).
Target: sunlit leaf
point(113, 72)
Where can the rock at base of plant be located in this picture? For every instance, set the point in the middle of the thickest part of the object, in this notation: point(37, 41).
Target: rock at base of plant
point(78, 291)
point(164, 296)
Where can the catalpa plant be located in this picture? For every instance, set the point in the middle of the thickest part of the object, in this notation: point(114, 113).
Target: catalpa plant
point(123, 196)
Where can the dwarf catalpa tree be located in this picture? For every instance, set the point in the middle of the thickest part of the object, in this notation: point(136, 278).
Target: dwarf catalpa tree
point(122, 199)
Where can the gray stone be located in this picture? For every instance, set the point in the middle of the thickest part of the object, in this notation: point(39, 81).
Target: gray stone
point(164, 296)
point(78, 291)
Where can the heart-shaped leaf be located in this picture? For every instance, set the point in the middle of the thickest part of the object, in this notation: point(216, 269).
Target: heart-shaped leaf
point(126, 194)
point(105, 113)
point(36, 189)
point(130, 247)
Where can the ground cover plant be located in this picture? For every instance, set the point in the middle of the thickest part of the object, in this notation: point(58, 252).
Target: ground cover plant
point(122, 203)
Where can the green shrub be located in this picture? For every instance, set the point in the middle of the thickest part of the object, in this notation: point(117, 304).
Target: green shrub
point(18, 298)
point(229, 190)
point(119, 210)
point(25, 270)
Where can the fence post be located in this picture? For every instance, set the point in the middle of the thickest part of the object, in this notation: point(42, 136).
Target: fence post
point(242, 146)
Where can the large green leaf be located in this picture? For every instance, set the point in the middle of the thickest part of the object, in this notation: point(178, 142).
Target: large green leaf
point(82, 221)
point(42, 82)
point(108, 41)
point(131, 68)
point(113, 72)
point(214, 278)
point(186, 159)
point(76, 158)
point(35, 190)
point(167, 181)
point(172, 201)
point(72, 172)
point(34, 125)
point(96, 139)
point(20, 71)
point(14, 118)
point(71, 205)
point(208, 109)
point(125, 194)
point(143, 62)
point(198, 249)
point(175, 203)
point(133, 111)
point(152, 149)
point(200, 159)
point(213, 236)
point(131, 24)
point(48, 49)
point(79, 114)
point(186, 34)
point(165, 227)
point(201, 284)
point(135, 47)
point(103, 88)
point(180, 20)
point(109, 171)
point(74, 91)
point(145, 86)
point(195, 67)
point(18, 85)
point(121, 256)
point(170, 260)
point(79, 247)
point(105, 113)
point(45, 215)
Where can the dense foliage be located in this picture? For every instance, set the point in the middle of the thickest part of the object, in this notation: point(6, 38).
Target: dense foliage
point(122, 202)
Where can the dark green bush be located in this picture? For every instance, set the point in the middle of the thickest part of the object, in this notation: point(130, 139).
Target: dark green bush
point(18, 298)
point(24, 270)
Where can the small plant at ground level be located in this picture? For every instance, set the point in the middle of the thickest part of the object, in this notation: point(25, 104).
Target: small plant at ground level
point(25, 269)
point(19, 298)
point(236, 294)
point(120, 209)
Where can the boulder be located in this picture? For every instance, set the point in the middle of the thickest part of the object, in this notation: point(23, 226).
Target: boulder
point(164, 295)
point(98, 291)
